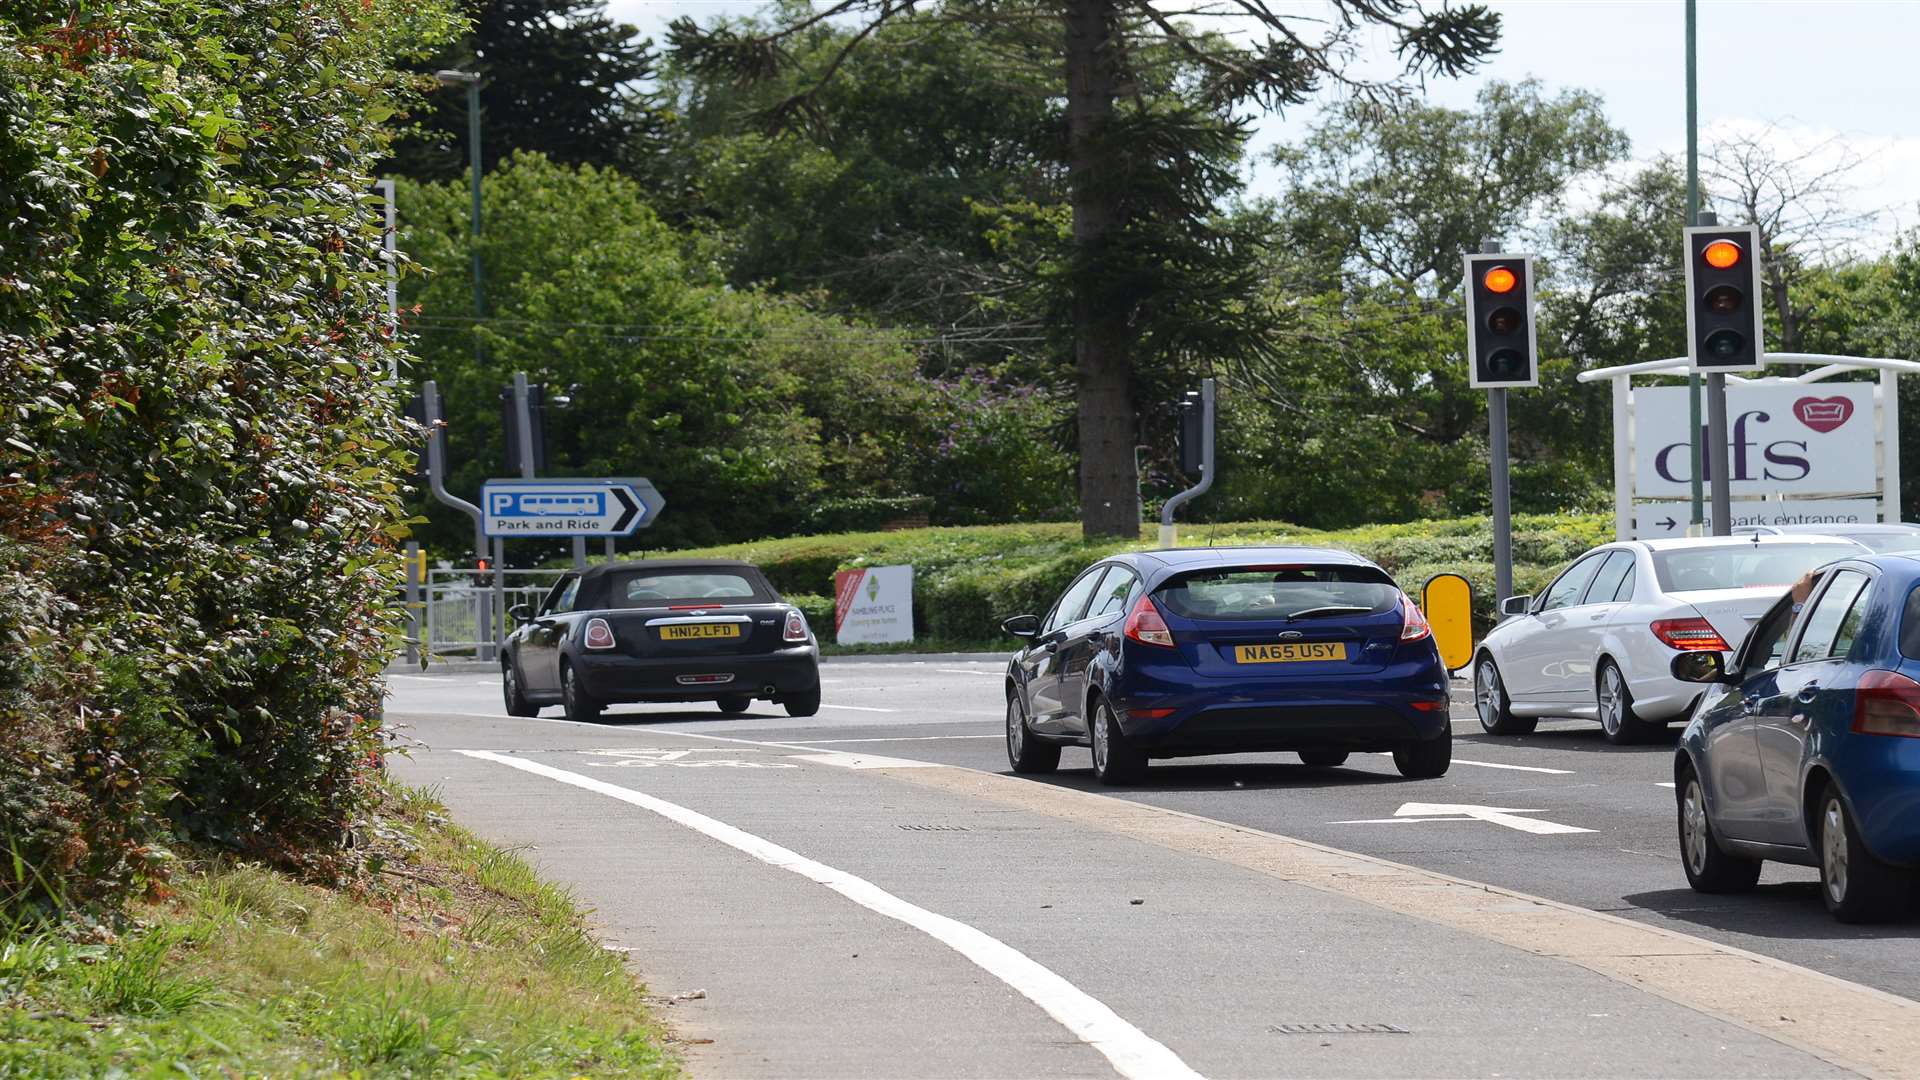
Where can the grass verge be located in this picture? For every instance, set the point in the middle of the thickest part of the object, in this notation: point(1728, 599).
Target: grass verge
point(455, 960)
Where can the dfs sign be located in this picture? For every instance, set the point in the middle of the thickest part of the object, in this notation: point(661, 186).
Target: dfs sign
point(1783, 441)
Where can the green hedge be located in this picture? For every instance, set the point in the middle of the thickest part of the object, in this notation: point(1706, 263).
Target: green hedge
point(967, 579)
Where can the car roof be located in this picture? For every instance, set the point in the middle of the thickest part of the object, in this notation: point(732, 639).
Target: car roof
point(600, 570)
point(1880, 528)
point(1682, 543)
point(1185, 558)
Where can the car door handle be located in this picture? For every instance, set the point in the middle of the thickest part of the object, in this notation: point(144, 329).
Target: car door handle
point(1597, 616)
point(1807, 693)
point(1750, 704)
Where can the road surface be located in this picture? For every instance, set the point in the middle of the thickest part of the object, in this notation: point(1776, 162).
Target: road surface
point(870, 892)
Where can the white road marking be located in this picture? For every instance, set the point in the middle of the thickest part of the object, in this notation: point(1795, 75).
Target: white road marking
point(1492, 815)
point(1495, 765)
point(856, 708)
point(1663, 783)
point(1134, 1054)
point(967, 671)
point(682, 758)
point(898, 738)
point(844, 760)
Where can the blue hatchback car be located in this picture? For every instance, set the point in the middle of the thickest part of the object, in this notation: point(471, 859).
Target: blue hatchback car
point(1806, 746)
point(1228, 650)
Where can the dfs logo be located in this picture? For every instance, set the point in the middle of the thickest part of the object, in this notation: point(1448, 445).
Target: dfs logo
point(1753, 456)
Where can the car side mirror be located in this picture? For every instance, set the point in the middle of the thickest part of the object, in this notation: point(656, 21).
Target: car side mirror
point(521, 612)
point(1516, 605)
point(1699, 666)
point(1022, 626)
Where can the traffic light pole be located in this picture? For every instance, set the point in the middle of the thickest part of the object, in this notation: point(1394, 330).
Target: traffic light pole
point(1167, 531)
point(1502, 501)
point(437, 483)
point(1717, 453)
point(1693, 218)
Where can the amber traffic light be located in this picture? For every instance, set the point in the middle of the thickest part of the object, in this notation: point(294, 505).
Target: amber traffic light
point(1500, 337)
point(1723, 299)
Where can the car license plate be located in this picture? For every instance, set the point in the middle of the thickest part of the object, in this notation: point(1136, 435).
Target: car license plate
point(1290, 652)
point(689, 631)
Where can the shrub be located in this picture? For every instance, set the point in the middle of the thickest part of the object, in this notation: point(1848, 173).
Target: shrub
point(200, 453)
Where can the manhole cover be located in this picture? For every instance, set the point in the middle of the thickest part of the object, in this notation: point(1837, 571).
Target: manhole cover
point(1337, 1029)
point(933, 828)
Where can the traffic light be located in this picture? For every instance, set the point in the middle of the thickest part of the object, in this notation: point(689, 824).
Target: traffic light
point(1723, 298)
point(483, 573)
point(1192, 431)
point(510, 426)
point(1500, 338)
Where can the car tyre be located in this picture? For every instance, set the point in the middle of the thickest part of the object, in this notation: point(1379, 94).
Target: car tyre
point(1115, 760)
point(1426, 759)
point(1026, 752)
point(735, 704)
point(1323, 759)
point(1493, 706)
point(804, 704)
point(1857, 887)
point(514, 691)
point(579, 705)
point(1709, 868)
point(1614, 706)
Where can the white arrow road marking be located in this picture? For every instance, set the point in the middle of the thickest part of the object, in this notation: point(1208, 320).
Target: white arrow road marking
point(1415, 812)
point(1134, 1054)
point(1496, 765)
point(681, 758)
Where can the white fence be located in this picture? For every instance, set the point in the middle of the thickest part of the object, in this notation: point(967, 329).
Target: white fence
point(457, 617)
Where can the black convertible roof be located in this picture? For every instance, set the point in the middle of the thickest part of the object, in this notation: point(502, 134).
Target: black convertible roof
point(593, 580)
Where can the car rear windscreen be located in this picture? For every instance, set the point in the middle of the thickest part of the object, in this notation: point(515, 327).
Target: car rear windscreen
point(657, 588)
point(1278, 592)
point(1889, 541)
point(1742, 566)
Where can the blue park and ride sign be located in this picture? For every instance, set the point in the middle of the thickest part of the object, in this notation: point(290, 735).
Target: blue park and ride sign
point(570, 507)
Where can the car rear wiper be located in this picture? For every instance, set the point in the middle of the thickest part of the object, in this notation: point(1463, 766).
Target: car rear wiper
point(1330, 609)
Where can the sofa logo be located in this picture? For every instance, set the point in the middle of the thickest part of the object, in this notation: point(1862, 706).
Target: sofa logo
point(1823, 414)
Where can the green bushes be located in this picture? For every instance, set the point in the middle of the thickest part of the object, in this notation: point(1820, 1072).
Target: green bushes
point(200, 454)
point(968, 579)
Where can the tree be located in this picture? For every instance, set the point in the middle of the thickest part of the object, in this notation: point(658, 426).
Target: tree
point(1799, 202)
point(1149, 107)
point(561, 79)
point(1402, 196)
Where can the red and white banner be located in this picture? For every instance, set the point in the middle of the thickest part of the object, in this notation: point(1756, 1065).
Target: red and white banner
point(873, 605)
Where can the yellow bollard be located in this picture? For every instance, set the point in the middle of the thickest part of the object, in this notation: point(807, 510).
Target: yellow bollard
point(1447, 601)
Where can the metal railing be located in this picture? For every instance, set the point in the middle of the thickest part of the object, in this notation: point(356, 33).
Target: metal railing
point(455, 613)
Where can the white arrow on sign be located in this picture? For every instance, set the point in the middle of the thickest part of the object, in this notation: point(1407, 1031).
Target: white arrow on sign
point(1415, 812)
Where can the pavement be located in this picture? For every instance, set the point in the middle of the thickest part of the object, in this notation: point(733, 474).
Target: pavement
point(870, 893)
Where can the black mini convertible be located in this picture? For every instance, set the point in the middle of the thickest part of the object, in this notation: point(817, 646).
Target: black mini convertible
point(661, 631)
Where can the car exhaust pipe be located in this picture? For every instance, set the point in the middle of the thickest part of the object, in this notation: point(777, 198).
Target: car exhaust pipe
point(768, 690)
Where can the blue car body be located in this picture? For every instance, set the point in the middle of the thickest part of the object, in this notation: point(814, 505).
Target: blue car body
point(1195, 698)
point(1783, 727)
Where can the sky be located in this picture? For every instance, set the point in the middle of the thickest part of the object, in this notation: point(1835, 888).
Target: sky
point(1843, 75)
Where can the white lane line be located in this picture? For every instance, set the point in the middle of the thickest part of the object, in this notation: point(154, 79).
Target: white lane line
point(968, 671)
point(1663, 783)
point(859, 708)
point(1496, 765)
point(1133, 1053)
point(842, 759)
point(897, 738)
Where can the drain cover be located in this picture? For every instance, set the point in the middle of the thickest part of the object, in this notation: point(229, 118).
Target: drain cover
point(933, 828)
point(1337, 1029)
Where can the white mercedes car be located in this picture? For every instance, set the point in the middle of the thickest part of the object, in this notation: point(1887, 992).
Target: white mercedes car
point(1597, 644)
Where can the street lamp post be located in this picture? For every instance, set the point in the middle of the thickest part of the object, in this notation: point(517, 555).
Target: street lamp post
point(471, 81)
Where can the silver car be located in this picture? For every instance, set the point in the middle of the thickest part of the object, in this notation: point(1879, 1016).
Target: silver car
point(1599, 643)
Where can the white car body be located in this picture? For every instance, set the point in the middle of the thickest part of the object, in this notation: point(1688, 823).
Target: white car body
point(1549, 658)
point(1879, 536)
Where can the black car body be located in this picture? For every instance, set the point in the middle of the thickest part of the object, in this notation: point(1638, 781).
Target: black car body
point(661, 631)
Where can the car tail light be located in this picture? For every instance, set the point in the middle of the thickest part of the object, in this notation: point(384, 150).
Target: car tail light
point(1688, 635)
point(599, 634)
point(1145, 625)
point(1886, 703)
point(796, 627)
point(1416, 627)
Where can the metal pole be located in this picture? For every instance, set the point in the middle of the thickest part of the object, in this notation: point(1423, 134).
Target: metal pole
point(1502, 504)
point(1717, 453)
point(1693, 218)
point(390, 253)
point(523, 421)
point(497, 617)
point(473, 163)
point(413, 602)
point(1890, 445)
point(436, 481)
point(610, 549)
point(579, 553)
point(1167, 532)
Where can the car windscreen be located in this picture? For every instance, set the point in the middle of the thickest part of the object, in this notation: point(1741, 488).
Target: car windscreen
point(1278, 592)
point(1742, 566)
point(662, 587)
point(1891, 541)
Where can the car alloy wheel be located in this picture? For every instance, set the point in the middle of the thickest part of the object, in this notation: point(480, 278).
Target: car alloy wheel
point(1694, 837)
point(1833, 851)
point(1016, 729)
point(1102, 746)
point(1612, 692)
point(1486, 694)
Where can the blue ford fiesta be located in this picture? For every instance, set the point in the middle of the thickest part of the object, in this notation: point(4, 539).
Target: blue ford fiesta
point(1228, 650)
point(1806, 746)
